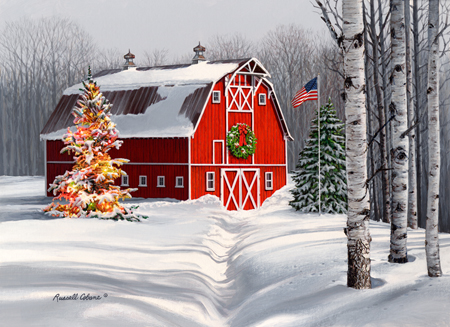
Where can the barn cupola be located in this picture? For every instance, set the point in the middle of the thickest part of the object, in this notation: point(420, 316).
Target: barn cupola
point(129, 61)
point(199, 49)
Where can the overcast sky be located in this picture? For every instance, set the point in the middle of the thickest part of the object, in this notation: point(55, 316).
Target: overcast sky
point(176, 25)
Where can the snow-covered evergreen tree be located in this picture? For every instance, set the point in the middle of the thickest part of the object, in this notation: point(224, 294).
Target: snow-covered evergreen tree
point(333, 188)
point(88, 189)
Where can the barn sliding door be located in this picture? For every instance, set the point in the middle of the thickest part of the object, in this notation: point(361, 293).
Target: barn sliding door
point(240, 188)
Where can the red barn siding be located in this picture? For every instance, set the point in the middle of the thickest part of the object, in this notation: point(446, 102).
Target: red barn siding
point(155, 150)
point(54, 148)
point(134, 171)
point(219, 152)
point(148, 150)
point(198, 181)
point(270, 147)
point(152, 172)
point(211, 127)
point(279, 180)
point(54, 170)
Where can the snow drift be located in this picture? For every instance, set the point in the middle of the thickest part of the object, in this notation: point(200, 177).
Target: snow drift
point(193, 263)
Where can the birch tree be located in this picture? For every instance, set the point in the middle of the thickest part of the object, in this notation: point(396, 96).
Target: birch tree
point(412, 192)
point(399, 150)
point(351, 42)
point(377, 83)
point(358, 236)
point(432, 236)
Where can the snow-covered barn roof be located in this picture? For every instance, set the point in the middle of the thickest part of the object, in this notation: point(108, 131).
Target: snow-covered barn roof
point(164, 101)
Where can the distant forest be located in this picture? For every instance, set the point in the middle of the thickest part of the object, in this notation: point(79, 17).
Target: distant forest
point(41, 58)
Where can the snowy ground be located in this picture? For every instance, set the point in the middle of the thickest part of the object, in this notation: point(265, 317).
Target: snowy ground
point(194, 264)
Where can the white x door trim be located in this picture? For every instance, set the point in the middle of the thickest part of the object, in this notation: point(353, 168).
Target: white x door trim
point(244, 186)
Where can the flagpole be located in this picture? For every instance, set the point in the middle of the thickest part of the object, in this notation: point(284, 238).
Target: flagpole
point(318, 121)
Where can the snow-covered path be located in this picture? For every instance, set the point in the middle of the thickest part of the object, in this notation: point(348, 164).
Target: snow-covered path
point(193, 263)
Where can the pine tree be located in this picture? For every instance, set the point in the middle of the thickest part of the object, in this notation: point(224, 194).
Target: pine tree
point(333, 188)
point(88, 189)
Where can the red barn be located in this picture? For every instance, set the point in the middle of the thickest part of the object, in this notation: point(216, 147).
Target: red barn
point(174, 122)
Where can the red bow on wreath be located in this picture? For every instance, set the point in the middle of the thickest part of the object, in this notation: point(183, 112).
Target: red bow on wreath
point(242, 131)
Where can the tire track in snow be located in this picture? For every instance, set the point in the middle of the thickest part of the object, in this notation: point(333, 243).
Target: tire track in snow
point(222, 241)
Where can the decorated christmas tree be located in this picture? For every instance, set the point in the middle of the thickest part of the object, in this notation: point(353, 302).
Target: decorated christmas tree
point(333, 177)
point(88, 190)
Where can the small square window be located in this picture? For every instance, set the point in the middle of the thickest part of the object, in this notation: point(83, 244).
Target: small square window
point(179, 182)
point(269, 181)
point(216, 97)
point(262, 99)
point(161, 181)
point(125, 180)
point(142, 180)
point(210, 181)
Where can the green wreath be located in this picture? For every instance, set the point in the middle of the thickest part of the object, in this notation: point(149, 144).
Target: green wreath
point(241, 141)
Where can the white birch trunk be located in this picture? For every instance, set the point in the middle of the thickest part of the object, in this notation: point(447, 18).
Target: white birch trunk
point(412, 192)
point(358, 236)
point(432, 236)
point(382, 119)
point(399, 150)
point(388, 130)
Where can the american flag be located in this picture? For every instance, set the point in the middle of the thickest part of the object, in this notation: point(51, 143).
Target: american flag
point(308, 92)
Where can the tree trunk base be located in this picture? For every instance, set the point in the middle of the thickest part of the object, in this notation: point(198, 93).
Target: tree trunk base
point(397, 260)
point(358, 275)
point(434, 272)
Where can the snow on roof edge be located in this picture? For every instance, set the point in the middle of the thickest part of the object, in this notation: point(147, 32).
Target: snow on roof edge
point(134, 79)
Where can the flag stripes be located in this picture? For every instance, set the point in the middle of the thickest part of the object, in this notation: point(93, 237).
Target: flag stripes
point(308, 92)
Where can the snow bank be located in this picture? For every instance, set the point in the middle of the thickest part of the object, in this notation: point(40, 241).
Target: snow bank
point(193, 263)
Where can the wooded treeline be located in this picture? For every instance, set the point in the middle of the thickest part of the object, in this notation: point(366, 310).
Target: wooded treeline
point(39, 59)
point(379, 71)
point(396, 47)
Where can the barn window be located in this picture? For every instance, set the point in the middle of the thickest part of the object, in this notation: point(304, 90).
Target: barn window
point(125, 181)
point(216, 97)
point(269, 181)
point(262, 99)
point(142, 180)
point(179, 181)
point(210, 181)
point(161, 181)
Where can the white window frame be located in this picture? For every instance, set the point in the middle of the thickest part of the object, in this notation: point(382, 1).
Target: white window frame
point(214, 100)
point(182, 182)
point(262, 99)
point(268, 180)
point(213, 180)
point(125, 180)
point(222, 142)
point(140, 181)
point(163, 180)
